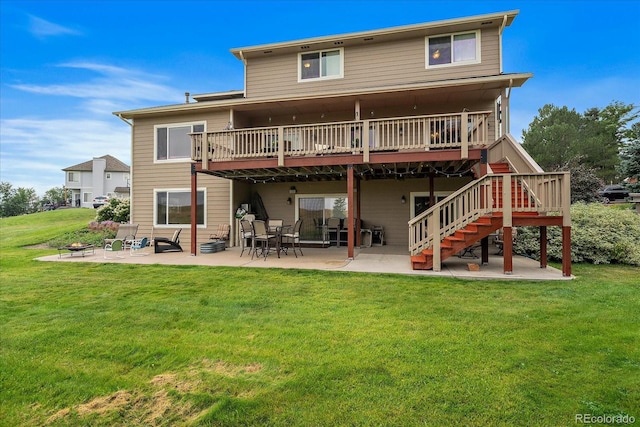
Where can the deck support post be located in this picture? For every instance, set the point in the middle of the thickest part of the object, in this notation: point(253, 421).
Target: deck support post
point(194, 210)
point(543, 246)
point(484, 248)
point(566, 251)
point(350, 212)
point(358, 214)
point(507, 224)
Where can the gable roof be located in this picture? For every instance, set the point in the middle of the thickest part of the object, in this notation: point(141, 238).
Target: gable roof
point(499, 19)
point(113, 165)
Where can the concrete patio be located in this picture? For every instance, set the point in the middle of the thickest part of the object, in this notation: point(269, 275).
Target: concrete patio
point(385, 259)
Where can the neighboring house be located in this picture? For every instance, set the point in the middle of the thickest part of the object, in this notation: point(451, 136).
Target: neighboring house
point(101, 176)
point(405, 129)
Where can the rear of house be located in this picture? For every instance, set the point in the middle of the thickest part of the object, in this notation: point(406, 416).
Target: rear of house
point(374, 128)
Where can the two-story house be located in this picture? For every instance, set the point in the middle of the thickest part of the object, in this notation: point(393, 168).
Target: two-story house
point(403, 129)
point(100, 176)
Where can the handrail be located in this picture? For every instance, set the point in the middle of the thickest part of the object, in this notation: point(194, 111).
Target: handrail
point(426, 132)
point(543, 193)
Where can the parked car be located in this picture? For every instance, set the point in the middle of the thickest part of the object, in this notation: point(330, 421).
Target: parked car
point(99, 201)
point(612, 193)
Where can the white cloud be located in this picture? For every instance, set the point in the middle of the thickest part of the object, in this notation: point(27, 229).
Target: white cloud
point(115, 83)
point(42, 28)
point(35, 151)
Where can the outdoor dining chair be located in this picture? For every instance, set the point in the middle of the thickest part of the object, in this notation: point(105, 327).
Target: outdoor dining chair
point(291, 237)
point(261, 238)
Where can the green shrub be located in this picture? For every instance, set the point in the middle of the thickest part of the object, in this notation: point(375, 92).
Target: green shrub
point(116, 210)
point(599, 235)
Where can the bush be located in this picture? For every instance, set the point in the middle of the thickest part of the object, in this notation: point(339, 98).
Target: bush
point(116, 210)
point(599, 235)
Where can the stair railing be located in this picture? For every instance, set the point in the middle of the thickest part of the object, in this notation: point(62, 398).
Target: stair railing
point(445, 217)
point(552, 195)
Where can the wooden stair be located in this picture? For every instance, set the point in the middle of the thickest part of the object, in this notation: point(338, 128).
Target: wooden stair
point(481, 228)
point(460, 240)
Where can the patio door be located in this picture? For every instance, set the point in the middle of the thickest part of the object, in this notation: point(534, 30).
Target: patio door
point(315, 209)
point(421, 201)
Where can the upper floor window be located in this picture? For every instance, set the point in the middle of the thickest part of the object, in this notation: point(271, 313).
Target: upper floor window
point(325, 64)
point(74, 177)
point(453, 49)
point(173, 141)
point(108, 175)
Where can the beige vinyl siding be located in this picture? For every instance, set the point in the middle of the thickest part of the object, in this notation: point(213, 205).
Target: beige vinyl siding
point(366, 66)
point(380, 201)
point(148, 176)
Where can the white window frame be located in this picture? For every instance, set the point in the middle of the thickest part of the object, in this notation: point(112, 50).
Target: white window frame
point(169, 126)
point(453, 63)
point(87, 197)
point(177, 190)
point(321, 77)
point(108, 175)
point(72, 176)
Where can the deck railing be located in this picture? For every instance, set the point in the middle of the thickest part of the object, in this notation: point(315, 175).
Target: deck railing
point(544, 193)
point(459, 130)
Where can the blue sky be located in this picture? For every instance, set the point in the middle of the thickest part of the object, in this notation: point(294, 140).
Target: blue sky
point(67, 65)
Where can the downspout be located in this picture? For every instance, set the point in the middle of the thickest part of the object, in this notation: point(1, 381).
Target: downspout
point(244, 62)
point(130, 169)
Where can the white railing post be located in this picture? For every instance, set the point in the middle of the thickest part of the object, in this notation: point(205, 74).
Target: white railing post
point(365, 141)
point(566, 200)
point(464, 135)
point(507, 212)
point(280, 146)
point(434, 228)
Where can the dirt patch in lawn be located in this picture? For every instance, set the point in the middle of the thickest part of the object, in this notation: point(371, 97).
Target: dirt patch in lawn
point(163, 401)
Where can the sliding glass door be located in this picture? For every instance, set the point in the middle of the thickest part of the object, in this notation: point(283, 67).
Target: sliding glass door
point(315, 209)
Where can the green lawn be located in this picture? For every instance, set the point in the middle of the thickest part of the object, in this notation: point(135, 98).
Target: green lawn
point(101, 345)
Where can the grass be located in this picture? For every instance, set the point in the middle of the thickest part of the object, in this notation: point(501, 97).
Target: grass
point(108, 344)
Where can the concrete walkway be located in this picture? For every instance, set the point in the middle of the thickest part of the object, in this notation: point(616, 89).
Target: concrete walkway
point(386, 259)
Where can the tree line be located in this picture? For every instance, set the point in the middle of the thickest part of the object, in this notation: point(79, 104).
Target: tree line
point(600, 146)
point(20, 201)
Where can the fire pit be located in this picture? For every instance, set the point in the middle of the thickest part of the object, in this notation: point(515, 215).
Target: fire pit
point(76, 247)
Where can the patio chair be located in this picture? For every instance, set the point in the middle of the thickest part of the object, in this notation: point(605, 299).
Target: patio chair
point(291, 237)
point(222, 233)
point(245, 235)
point(126, 233)
point(274, 224)
point(333, 226)
point(470, 251)
point(116, 246)
point(261, 238)
point(137, 246)
point(164, 244)
point(499, 240)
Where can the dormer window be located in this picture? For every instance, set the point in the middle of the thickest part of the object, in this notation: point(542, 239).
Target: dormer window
point(320, 65)
point(453, 49)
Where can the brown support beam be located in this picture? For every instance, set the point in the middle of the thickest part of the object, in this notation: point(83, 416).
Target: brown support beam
point(358, 214)
point(566, 251)
point(483, 162)
point(484, 248)
point(432, 193)
point(543, 247)
point(350, 212)
point(507, 247)
point(194, 210)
